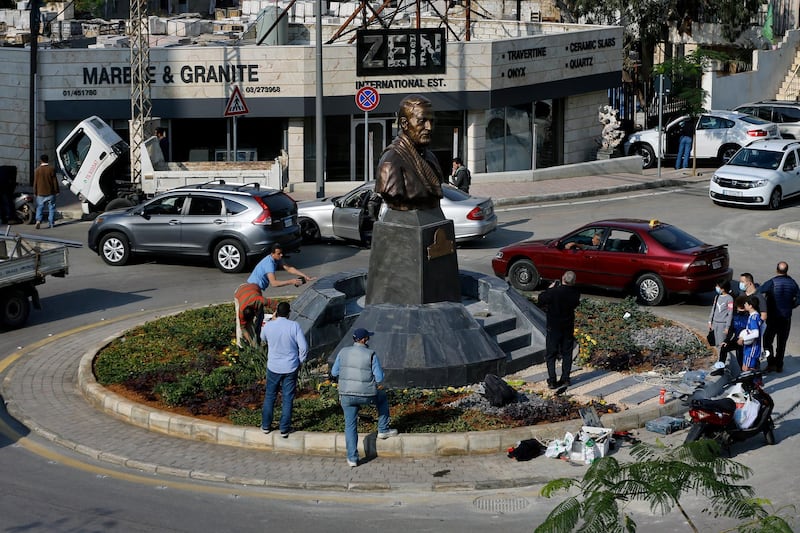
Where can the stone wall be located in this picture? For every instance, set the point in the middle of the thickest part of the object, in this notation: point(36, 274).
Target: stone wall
point(582, 126)
point(15, 86)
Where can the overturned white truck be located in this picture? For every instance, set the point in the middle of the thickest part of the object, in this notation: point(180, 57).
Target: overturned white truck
point(95, 164)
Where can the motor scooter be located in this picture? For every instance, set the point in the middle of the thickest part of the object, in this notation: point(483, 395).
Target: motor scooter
point(25, 205)
point(714, 418)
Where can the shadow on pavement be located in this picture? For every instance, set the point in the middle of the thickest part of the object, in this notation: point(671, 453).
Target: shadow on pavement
point(71, 304)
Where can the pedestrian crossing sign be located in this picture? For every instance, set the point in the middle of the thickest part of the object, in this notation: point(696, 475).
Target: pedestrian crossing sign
point(236, 104)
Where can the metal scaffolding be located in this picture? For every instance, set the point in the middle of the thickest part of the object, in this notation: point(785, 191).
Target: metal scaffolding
point(141, 106)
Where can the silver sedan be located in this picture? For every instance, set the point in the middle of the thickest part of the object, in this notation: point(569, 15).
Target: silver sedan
point(338, 216)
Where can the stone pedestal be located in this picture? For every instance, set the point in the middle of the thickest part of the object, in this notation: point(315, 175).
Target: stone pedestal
point(413, 259)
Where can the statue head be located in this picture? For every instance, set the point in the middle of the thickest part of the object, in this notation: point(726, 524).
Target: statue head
point(415, 119)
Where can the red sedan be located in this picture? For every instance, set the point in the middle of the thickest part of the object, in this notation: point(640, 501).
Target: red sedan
point(647, 257)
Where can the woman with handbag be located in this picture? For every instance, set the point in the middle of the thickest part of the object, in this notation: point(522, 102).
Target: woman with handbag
point(719, 321)
point(751, 337)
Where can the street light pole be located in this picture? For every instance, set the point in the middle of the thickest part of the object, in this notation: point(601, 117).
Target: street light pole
point(320, 119)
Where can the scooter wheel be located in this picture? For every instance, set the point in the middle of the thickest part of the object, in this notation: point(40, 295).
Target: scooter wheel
point(769, 436)
point(696, 432)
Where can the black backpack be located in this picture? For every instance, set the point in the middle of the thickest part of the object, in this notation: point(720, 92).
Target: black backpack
point(497, 391)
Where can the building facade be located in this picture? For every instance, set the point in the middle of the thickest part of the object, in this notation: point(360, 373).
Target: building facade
point(503, 103)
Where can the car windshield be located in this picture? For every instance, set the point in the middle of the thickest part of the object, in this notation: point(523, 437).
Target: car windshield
point(753, 157)
point(674, 239)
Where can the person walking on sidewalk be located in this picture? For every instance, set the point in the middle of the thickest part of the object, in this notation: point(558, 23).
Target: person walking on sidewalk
point(561, 300)
point(685, 143)
point(287, 349)
point(45, 188)
point(784, 295)
point(360, 383)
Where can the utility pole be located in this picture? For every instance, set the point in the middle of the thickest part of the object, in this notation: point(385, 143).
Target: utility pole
point(141, 106)
point(34, 22)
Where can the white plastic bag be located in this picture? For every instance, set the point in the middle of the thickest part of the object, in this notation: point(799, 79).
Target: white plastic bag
point(746, 415)
point(557, 447)
point(749, 336)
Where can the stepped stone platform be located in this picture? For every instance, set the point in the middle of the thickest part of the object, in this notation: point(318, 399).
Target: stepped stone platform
point(493, 329)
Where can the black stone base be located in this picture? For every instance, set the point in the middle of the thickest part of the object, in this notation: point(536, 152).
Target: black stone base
point(431, 345)
point(413, 259)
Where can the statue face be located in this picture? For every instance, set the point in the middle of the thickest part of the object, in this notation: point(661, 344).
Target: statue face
point(418, 125)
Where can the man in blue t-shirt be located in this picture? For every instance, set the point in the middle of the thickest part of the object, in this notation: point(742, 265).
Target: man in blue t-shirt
point(264, 273)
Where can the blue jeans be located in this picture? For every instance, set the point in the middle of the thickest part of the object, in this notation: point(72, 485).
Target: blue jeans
point(287, 383)
point(350, 406)
point(50, 199)
point(684, 152)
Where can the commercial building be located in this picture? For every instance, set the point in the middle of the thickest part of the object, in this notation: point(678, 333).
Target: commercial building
point(515, 96)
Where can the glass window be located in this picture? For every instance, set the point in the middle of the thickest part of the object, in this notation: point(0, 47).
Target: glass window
point(74, 154)
point(167, 205)
point(234, 208)
point(203, 205)
point(508, 138)
point(787, 114)
point(791, 161)
point(674, 239)
point(623, 241)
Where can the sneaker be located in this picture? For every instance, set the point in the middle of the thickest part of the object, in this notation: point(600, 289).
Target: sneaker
point(552, 385)
point(388, 433)
point(38, 225)
point(352, 464)
point(285, 434)
point(266, 431)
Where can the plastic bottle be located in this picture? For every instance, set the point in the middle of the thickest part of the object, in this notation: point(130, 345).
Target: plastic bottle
point(662, 396)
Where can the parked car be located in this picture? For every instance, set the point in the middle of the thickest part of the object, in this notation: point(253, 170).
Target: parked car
point(648, 257)
point(231, 223)
point(718, 135)
point(338, 216)
point(763, 173)
point(784, 113)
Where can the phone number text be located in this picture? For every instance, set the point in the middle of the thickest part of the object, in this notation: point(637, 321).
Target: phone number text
point(262, 89)
point(79, 92)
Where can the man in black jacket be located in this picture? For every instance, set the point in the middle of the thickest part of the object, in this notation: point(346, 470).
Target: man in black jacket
point(784, 295)
point(560, 300)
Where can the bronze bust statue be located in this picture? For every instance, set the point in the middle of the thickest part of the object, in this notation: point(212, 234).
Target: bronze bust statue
point(409, 176)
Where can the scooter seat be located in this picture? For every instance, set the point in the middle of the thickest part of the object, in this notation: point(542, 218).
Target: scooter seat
point(725, 405)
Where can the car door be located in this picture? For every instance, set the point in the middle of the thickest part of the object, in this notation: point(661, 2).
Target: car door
point(346, 213)
point(202, 221)
point(156, 227)
point(579, 260)
point(790, 174)
point(619, 260)
point(673, 137)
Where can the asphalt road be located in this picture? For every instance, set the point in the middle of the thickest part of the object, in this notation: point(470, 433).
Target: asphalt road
point(45, 488)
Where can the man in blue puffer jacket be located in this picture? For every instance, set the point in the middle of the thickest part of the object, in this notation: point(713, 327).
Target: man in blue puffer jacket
point(784, 295)
point(360, 377)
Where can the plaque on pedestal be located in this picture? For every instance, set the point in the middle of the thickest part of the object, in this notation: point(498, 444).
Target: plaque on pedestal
point(413, 259)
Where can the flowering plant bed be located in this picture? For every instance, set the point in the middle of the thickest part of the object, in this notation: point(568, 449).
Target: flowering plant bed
point(188, 364)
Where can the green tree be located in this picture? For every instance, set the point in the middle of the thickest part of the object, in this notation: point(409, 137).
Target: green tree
point(686, 74)
point(660, 475)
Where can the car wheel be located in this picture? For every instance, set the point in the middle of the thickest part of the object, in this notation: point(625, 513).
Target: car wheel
point(696, 432)
point(230, 256)
point(14, 309)
point(119, 203)
point(115, 249)
point(647, 153)
point(309, 230)
point(650, 289)
point(775, 198)
point(523, 275)
point(727, 151)
point(769, 436)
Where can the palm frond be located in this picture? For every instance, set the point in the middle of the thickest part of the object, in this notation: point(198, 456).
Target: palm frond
point(563, 483)
point(562, 519)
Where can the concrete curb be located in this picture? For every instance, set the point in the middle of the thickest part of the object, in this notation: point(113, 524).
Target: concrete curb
point(408, 445)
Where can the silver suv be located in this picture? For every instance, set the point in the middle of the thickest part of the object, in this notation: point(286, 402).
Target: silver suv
point(784, 113)
point(231, 223)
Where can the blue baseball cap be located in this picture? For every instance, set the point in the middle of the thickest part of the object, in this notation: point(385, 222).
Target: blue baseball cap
point(361, 333)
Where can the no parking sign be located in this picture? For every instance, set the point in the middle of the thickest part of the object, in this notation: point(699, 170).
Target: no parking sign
point(367, 98)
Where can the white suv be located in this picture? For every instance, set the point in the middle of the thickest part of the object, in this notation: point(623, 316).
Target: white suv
point(718, 135)
point(762, 173)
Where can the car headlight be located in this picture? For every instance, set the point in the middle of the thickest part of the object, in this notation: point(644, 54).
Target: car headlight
point(758, 183)
point(715, 178)
point(498, 255)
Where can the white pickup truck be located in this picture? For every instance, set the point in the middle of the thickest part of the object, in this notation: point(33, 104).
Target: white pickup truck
point(25, 262)
point(95, 164)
